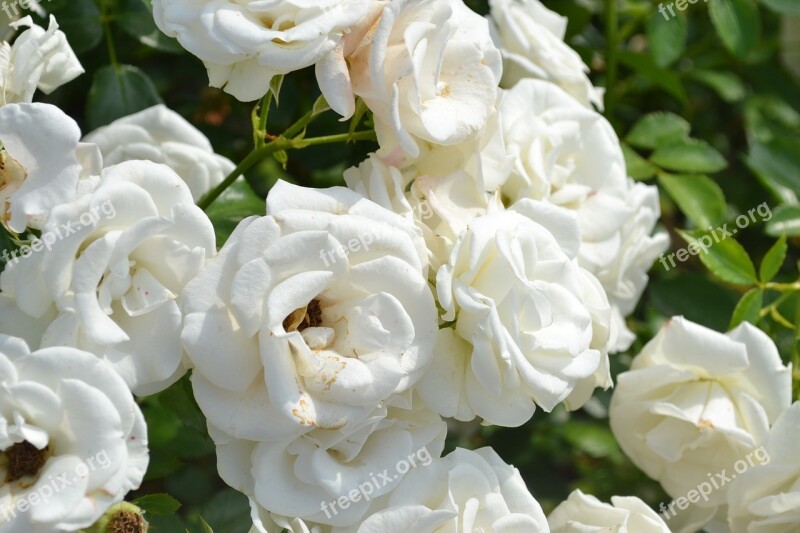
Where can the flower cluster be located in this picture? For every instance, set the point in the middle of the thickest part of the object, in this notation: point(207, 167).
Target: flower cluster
point(478, 265)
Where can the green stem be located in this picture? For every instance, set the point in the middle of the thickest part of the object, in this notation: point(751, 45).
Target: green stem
point(783, 286)
point(612, 40)
point(112, 53)
point(261, 131)
point(278, 145)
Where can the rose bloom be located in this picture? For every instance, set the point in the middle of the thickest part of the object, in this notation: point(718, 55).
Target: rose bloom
point(440, 206)
point(73, 441)
point(529, 325)
point(161, 135)
point(244, 43)
point(429, 73)
point(531, 40)
point(108, 271)
point(570, 156)
point(766, 498)
point(695, 401)
point(626, 514)
point(330, 477)
point(466, 491)
point(38, 58)
point(39, 163)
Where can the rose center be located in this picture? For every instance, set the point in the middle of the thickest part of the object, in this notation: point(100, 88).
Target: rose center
point(126, 522)
point(24, 459)
point(309, 316)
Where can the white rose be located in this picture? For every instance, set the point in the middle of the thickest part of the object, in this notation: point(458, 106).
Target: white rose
point(429, 72)
point(244, 43)
point(570, 156)
point(161, 135)
point(330, 477)
point(766, 497)
point(695, 401)
point(626, 514)
point(39, 166)
point(326, 306)
point(530, 324)
point(440, 206)
point(531, 40)
point(72, 440)
point(467, 491)
point(110, 266)
point(37, 59)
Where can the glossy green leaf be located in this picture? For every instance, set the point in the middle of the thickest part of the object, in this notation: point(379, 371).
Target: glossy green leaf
point(657, 129)
point(158, 504)
point(748, 308)
point(689, 155)
point(638, 167)
point(738, 24)
point(698, 197)
point(777, 161)
point(117, 92)
point(667, 38)
point(726, 259)
point(773, 260)
point(785, 220)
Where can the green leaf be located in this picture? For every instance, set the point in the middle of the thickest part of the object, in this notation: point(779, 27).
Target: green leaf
point(638, 167)
point(657, 129)
point(689, 155)
point(117, 92)
point(787, 7)
point(777, 161)
point(667, 38)
point(80, 20)
point(135, 18)
point(234, 205)
point(158, 504)
point(727, 259)
point(773, 260)
point(698, 197)
point(785, 220)
point(694, 296)
point(727, 85)
point(738, 24)
point(645, 66)
point(748, 308)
